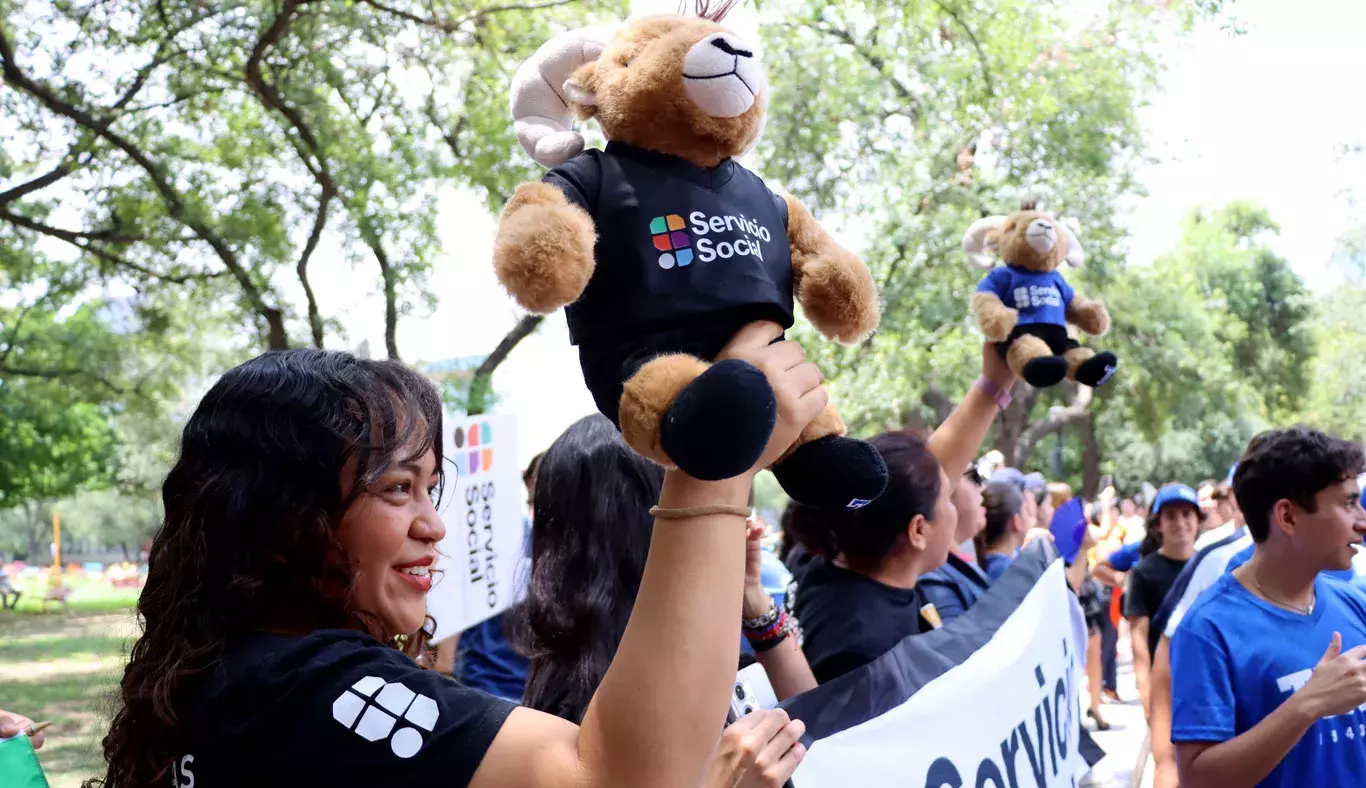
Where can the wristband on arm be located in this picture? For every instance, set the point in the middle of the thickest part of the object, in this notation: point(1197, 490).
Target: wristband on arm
point(989, 387)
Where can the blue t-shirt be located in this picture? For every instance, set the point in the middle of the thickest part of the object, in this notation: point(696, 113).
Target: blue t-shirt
point(1125, 557)
point(954, 587)
point(996, 565)
point(1235, 658)
point(1038, 297)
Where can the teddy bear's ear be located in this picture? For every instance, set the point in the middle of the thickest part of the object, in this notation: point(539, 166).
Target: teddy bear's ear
point(577, 89)
point(980, 241)
point(1076, 255)
point(542, 119)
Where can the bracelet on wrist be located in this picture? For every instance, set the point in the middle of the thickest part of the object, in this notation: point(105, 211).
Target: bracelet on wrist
point(763, 622)
point(775, 634)
point(989, 387)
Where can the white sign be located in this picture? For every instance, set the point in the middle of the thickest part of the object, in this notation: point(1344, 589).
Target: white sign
point(991, 703)
point(481, 506)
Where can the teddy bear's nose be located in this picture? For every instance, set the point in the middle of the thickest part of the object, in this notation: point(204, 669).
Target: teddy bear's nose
point(725, 46)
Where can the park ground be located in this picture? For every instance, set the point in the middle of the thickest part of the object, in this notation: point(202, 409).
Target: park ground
point(64, 666)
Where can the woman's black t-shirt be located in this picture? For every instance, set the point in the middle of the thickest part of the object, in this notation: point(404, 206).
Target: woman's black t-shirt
point(334, 708)
point(1149, 581)
point(849, 619)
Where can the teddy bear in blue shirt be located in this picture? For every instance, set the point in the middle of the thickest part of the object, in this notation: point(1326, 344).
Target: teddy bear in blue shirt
point(1025, 306)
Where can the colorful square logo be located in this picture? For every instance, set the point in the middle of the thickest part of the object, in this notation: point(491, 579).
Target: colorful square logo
point(474, 449)
point(671, 241)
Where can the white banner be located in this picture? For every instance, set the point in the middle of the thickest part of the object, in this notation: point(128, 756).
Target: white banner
point(482, 508)
point(989, 701)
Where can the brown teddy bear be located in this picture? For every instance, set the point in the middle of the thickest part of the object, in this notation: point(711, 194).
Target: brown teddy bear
point(1026, 305)
point(662, 246)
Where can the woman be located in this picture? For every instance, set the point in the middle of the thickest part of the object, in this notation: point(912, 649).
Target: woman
point(590, 540)
point(960, 582)
point(1169, 544)
point(300, 530)
point(859, 596)
point(1005, 529)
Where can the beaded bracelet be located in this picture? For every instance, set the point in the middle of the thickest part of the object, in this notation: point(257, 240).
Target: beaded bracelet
point(773, 635)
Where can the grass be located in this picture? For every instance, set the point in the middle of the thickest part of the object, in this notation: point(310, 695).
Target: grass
point(63, 666)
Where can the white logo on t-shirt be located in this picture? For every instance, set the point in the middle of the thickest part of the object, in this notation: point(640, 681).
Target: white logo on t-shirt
point(372, 709)
point(1030, 296)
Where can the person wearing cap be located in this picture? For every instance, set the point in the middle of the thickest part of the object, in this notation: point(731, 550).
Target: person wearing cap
point(1029, 485)
point(1268, 676)
point(1173, 525)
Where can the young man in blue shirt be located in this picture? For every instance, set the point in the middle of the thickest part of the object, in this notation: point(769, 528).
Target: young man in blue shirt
point(1269, 665)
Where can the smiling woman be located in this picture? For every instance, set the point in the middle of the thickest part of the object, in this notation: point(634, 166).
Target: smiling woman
point(301, 527)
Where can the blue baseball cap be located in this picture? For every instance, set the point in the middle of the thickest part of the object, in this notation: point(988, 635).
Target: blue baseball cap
point(1174, 493)
point(1024, 481)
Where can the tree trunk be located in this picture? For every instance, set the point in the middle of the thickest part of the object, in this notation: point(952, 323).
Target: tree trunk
point(1090, 457)
point(481, 386)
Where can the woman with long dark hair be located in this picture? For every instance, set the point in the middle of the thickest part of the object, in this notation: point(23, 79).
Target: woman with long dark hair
point(859, 596)
point(301, 526)
point(589, 545)
point(590, 537)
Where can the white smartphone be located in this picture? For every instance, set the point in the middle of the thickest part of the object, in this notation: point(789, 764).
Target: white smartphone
point(751, 691)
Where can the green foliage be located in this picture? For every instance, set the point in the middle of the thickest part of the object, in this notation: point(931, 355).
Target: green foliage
point(1337, 400)
point(215, 145)
point(911, 121)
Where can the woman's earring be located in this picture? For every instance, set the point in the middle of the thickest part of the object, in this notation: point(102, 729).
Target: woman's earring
point(400, 642)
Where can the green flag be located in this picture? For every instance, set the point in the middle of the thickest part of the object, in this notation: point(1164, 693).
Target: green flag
point(19, 767)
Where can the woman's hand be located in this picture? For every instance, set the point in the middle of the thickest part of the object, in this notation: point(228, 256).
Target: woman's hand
point(1037, 533)
point(995, 368)
point(796, 383)
point(760, 750)
point(757, 601)
point(14, 724)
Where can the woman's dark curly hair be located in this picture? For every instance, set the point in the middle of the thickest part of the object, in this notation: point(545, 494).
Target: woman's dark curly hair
point(270, 460)
point(590, 536)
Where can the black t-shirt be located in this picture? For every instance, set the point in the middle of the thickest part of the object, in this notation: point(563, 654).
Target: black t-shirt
point(849, 619)
point(1149, 581)
point(685, 256)
point(334, 708)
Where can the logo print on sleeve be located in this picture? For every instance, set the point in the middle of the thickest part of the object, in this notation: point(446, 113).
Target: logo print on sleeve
point(373, 710)
point(478, 458)
point(671, 240)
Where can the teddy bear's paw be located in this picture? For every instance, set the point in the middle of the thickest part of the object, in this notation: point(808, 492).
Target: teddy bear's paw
point(1096, 370)
point(839, 299)
point(833, 473)
point(997, 328)
point(1045, 371)
point(719, 424)
point(543, 255)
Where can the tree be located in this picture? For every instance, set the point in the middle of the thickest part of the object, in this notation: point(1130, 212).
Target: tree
point(909, 122)
point(1337, 399)
point(219, 145)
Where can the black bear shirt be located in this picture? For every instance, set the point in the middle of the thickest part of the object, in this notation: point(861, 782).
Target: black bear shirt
point(685, 256)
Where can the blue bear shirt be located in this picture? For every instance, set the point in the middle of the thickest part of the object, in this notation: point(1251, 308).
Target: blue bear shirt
point(1038, 297)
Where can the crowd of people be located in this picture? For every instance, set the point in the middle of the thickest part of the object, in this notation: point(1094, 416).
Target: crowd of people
point(284, 609)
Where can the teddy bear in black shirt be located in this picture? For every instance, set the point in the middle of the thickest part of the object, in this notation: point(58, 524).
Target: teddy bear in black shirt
point(662, 247)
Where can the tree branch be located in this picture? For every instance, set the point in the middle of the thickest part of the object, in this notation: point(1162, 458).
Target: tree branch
point(386, 271)
point(318, 167)
point(1056, 420)
point(482, 382)
point(82, 242)
point(59, 374)
point(277, 337)
point(878, 64)
point(452, 25)
point(972, 36)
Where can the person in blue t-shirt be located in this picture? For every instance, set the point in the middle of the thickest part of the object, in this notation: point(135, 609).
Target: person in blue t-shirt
point(1005, 528)
point(1269, 664)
